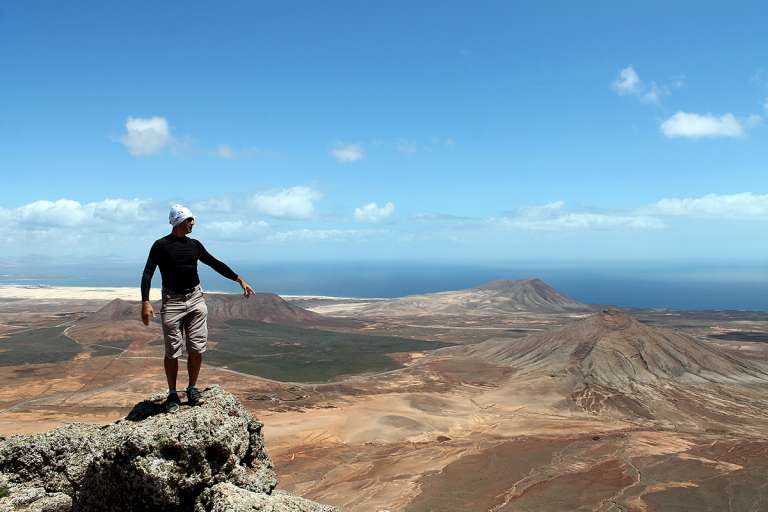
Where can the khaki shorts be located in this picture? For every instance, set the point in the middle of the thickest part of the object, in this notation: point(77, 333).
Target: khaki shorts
point(185, 322)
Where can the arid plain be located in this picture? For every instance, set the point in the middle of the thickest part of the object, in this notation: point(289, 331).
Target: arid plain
point(505, 397)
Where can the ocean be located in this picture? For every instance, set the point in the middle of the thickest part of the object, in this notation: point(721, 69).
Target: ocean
point(679, 285)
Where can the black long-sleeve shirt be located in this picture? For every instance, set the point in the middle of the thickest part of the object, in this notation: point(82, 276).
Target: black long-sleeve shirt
point(177, 258)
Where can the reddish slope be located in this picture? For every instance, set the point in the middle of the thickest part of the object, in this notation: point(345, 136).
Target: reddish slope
point(613, 348)
point(609, 363)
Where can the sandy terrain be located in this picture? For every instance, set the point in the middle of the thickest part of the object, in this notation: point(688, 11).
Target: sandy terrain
point(54, 293)
point(448, 432)
point(44, 293)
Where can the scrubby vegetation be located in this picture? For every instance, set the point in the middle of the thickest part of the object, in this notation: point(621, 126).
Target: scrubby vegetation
point(44, 345)
point(305, 355)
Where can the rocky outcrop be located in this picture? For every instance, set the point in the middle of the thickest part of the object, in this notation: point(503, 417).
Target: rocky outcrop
point(230, 498)
point(207, 458)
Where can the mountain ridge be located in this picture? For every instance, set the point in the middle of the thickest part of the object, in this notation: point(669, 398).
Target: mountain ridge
point(610, 348)
point(498, 297)
point(610, 363)
point(259, 307)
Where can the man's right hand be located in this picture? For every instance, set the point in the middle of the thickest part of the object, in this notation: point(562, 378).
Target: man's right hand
point(147, 313)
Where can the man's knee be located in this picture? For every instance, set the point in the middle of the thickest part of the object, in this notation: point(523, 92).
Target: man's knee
point(196, 349)
point(173, 350)
point(197, 341)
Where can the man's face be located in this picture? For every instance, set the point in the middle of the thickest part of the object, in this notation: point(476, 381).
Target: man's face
point(189, 223)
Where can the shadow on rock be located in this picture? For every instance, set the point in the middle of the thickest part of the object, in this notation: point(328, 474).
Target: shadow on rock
point(145, 409)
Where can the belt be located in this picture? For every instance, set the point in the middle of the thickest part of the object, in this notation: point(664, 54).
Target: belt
point(187, 291)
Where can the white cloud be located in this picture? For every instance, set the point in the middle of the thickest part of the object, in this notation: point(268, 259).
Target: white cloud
point(319, 234)
point(228, 152)
point(146, 136)
point(628, 82)
point(346, 153)
point(654, 94)
point(373, 213)
point(235, 229)
point(118, 210)
point(212, 205)
point(544, 211)
point(743, 206)
point(553, 217)
point(63, 212)
point(6, 215)
point(224, 151)
point(69, 213)
point(684, 124)
point(599, 221)
point(289, 203)
point(227, 227)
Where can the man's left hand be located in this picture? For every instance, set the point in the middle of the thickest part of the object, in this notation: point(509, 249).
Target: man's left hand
point(247, 290)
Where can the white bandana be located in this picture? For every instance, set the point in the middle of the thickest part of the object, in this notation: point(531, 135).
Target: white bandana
point(179, 214)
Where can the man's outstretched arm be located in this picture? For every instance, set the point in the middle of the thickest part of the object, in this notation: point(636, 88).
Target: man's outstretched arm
point(223, 269)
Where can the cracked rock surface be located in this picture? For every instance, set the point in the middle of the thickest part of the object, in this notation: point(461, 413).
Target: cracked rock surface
point(207, 458)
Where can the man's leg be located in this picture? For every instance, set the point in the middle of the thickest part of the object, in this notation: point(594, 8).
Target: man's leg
point(194, 362)
point(196, 328)
point(171, 366)
point(172, 314)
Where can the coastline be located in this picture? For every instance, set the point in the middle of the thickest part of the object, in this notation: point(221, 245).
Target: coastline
point(42, 292)
point(74, 292)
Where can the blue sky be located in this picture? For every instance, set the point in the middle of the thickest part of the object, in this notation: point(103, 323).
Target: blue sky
point(386, 130)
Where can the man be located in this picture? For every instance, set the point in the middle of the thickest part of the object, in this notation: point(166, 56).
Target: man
point(184, 313)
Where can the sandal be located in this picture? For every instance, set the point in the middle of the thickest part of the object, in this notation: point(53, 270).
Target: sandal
point(172, 403)
point(194, 396)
